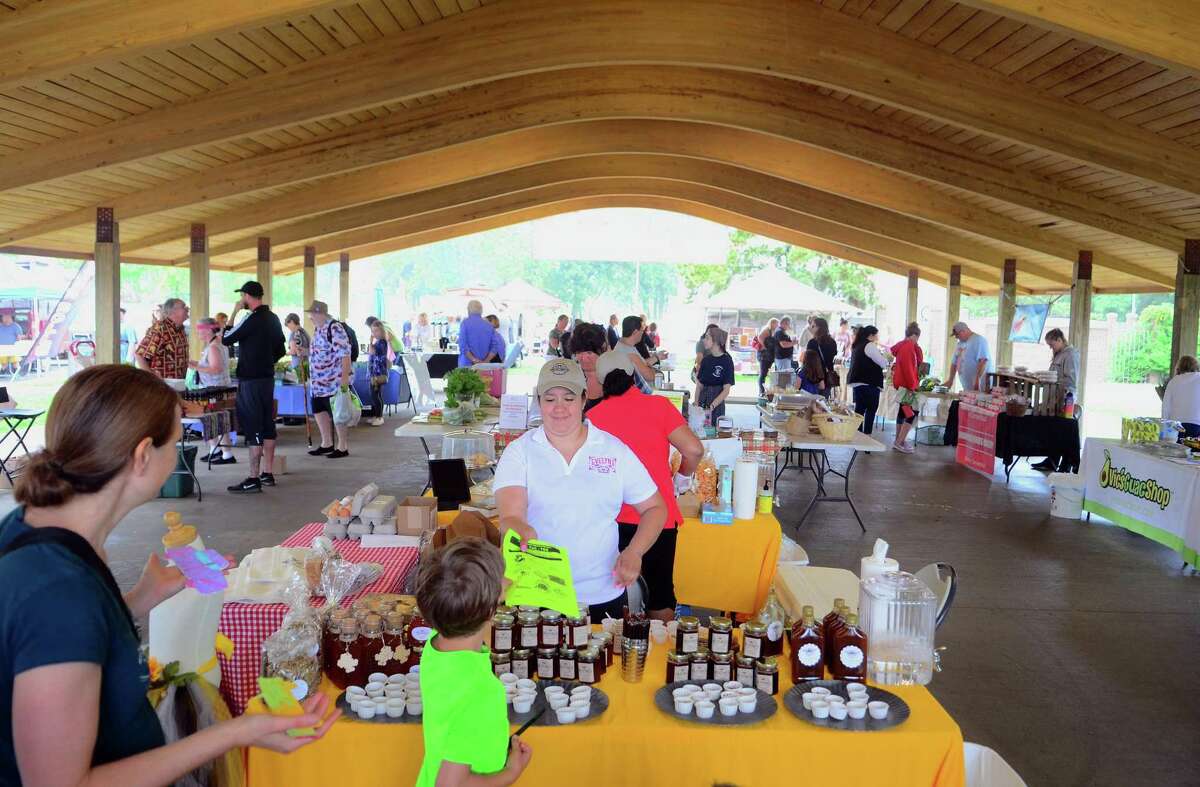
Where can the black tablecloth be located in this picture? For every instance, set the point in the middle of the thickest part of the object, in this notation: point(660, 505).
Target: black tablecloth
point(1029, 435)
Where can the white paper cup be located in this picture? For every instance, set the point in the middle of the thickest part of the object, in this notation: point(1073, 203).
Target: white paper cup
point(834, 699)
point(396, 679)
point(366, 709)
point(378, 677)
point(582, 691)
point(413, 707)
point(522, 703)
point(820, 709)
point(526, 683)
point(374, 689)
point(683, 705)
point(704, 709)
point(682, 692)
point(554, 691)
point(711, 686)
point(877, 709)
point(509, 679)
point(837, 711)
point(712, 695)
point(558, 701)
point(856, 688)
point(393, 690)
point(747, 692)
point(395, 708)
point(729, 707)
point(726, 695)
point(581, 707)
point(856, 709)
point(355, 691)
point(747, 704)
point(565, 715)
point(821, 690)
point(694, 689)
point(731, 685)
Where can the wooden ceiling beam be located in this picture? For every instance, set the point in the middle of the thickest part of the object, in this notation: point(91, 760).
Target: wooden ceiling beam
point(732, 99)
point(1165, 32)
point(804, 164)
point(53, 37)
point(71, 254)
point(801, 41)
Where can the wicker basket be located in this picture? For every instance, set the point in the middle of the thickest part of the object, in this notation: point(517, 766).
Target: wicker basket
point(837, 428)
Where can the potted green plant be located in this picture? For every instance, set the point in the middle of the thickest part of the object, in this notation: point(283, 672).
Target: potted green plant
point(463, 388)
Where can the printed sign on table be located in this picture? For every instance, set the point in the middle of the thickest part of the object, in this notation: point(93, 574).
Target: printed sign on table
point(514, 411)
point(976, 439)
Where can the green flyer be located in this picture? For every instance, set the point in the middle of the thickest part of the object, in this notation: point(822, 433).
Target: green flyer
point(540, 575)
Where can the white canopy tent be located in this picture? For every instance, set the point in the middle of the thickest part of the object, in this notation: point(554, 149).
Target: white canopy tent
point(773, 290)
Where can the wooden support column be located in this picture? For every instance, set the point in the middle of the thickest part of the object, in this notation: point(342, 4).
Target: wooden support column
point(1081, 315)
point(953, 304)
point(344, 286)
point(198, 278)
point(263, 269)
point(108, 287)
point(310, 283)
point(910, 314)
point(1187, 303)
point(1007, 310)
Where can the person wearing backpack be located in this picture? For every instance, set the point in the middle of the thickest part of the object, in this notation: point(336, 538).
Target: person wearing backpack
point(329, 360)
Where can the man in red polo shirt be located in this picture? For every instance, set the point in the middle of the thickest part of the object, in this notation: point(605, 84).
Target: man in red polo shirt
point(649, 425)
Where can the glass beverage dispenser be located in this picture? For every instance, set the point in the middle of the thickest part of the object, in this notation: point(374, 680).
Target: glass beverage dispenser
point(899, 614)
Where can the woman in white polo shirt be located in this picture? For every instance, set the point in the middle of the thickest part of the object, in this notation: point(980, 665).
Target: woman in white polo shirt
point(565, 483)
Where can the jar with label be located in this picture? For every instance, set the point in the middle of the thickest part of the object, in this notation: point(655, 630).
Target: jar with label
point(687, 634)
point(766, 675)
point(744, 667)
point(528, 629)
point(722, 667)
point(333, 630)
point(523, 665)
point(503, 626)
point(580, 630)
point(566, 663)
point(720, 635)
point(550, 631)
point(754, 638)
point(606, 642)
point(368, 649)
point(547, 660)
point(679, 666)
point(419, 631)
point(501, 663)
point(339, 660)
point(700, 670)
point(393, 642)
point(587, 665)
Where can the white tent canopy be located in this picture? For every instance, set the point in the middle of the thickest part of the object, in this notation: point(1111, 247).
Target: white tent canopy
point(520, 294)
point(774, 290)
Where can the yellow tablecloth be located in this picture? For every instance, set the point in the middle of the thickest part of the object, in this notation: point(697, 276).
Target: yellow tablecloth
point(727, 567)
point(635, 743)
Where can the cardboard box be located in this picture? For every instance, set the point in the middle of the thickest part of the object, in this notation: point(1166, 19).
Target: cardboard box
point(689, 505)
point(468, 524)
point(415, 515)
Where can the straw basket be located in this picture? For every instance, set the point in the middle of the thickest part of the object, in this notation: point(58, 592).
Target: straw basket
point(837, 428)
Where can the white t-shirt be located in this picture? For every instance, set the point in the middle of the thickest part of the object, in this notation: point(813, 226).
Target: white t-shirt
point(575, 506)
point(1181, 399)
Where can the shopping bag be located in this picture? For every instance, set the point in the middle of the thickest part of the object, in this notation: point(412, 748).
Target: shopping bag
point(347, 407)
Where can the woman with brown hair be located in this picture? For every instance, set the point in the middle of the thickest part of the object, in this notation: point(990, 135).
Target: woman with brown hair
point(71, 672)
point(812, 374)
point(826, 347)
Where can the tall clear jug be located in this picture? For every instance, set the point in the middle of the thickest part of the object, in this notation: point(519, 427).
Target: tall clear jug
point(898, 613)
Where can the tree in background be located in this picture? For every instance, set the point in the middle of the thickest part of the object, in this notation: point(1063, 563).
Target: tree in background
point(1147, 350)
point(748, 253)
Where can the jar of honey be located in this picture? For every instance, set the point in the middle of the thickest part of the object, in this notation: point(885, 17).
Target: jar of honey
point(766, 675)
point(368, 649)
point(419, 631)
point(503, 626)
point(339, 660)
point(587, 665)
point(722, 667)
point(700, 665)
point(687, 634)
point(547, 660)
point(580, 630)
point(679, 666)
point(332, 630)
point(566, 662)
point(720, 636)
point(605, 641)
point(754, 639)
point(528, 625)
point(501, 663)
point(393, 642)
point(523, 665)
point(744, 670)
point(550, 629)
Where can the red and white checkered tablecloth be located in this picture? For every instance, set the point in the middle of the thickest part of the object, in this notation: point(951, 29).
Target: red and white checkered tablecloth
point(249, 624)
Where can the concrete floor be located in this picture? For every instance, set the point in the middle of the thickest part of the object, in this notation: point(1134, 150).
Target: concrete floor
point(1072, 648)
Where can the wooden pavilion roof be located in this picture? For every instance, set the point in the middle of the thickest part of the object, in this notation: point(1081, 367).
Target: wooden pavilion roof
point(896, 133)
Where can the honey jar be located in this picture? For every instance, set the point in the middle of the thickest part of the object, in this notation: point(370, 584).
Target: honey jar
point(700, 665)
point(754, 639)
point(550, 629)
point(528, 629)
point(744, 669)
point(687, 635)
point(720, 635)
point(501, 662)
point(523, 665)
point(587, 665)
point(679, 666)
point(503, 626)
point(547, 661)
point(722, 667)
point(766, 675)
point(566, 663)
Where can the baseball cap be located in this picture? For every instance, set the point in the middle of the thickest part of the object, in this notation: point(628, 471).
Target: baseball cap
point(561, 373)
point(611, 361)
point(318, 307)
point(958, 326)
point(251, 288)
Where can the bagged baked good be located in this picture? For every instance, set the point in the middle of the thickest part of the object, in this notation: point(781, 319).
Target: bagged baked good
point(293, 652)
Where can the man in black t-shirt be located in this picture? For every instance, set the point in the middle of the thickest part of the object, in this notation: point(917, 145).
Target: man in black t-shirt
point(784, 346)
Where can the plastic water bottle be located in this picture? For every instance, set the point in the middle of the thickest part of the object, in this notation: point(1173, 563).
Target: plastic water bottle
point(1069, 405)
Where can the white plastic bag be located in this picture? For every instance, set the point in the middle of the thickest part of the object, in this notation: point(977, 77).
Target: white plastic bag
point(347, 407)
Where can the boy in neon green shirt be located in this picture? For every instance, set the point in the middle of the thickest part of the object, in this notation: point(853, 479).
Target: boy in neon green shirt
point(465, 722)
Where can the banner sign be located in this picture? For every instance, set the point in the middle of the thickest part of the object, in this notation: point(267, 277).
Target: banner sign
point(976, 438)
point(1150, 495)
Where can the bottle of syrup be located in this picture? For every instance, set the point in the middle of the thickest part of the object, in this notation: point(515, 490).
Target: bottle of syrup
point(850, 661)
point(831, 630)
point(808, 649)
point(828, 620)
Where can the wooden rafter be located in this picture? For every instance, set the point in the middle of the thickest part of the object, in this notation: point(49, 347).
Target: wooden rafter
point(802, 41)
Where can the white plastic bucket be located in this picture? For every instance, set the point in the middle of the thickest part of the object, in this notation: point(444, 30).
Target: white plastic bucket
point(1066, 495)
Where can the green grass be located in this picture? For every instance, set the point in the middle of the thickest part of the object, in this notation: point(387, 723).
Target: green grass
point(34, 392)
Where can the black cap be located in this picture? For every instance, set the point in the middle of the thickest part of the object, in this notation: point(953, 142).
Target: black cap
point(251, 288)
